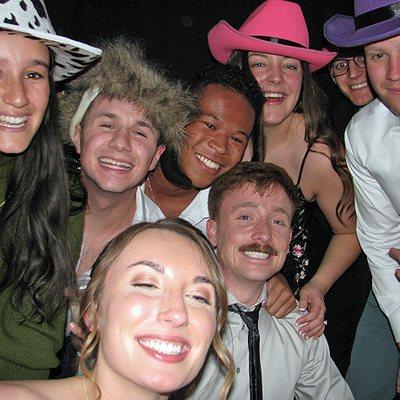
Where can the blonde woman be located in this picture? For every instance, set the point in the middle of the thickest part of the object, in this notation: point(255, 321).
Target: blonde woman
point(148, 327)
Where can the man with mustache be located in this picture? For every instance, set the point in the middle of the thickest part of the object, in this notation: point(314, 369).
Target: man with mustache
point(251, 209)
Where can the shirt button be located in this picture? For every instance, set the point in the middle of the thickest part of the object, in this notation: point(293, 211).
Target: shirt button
point(238, 370)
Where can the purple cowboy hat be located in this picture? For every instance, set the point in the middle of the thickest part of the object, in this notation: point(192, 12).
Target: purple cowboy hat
point(374, 20)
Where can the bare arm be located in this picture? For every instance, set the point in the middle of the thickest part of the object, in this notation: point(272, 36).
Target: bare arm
point(343, 249)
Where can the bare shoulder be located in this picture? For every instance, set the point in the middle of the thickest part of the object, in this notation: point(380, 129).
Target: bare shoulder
point(17, 391)
point(61, 389)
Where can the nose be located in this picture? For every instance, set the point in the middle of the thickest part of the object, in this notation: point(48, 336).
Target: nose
point(121, 140)
point(274, 75)
point(173, 310)
point(15, 92)
point(354, 70)
point(261, 232)
point(219, 143)
point(394, 69)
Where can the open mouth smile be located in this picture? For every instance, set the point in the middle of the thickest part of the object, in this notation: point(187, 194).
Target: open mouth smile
point(207, 162)
point(359, 85)
point(114, 164)
point(7, 121)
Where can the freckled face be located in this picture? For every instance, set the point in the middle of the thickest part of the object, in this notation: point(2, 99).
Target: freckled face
point(252, 233)
point(24, 90)
point(383, 66)
point(280, 79)
point(156, 322)
point(218, 137)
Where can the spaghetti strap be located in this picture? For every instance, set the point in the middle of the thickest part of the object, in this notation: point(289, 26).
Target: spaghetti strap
point(302, 165)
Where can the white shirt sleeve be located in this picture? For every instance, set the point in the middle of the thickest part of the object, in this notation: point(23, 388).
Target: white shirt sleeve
point(373, 157)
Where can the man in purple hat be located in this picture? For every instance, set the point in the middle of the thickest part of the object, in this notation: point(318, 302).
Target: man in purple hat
point(373, 147)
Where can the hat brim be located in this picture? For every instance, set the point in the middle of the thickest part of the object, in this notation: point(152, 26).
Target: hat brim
point(223, 39)
point(71, 56)
point(340, 30)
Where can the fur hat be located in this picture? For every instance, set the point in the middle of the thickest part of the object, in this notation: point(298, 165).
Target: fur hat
point(124, 73)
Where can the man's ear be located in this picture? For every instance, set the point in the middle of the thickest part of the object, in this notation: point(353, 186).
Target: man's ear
point(76, 138)
point(156, 158)
point(212, 231)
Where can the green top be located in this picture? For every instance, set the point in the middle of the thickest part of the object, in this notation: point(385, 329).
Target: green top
point(28, 349)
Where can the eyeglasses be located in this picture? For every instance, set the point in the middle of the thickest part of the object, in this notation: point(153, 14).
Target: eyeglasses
point(341, 65)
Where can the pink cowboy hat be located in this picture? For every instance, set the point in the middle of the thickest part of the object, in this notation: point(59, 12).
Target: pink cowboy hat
point(275, 27)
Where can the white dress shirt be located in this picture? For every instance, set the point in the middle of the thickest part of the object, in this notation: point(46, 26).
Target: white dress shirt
point(291, 366)
point(373, 156)
point(196, 212)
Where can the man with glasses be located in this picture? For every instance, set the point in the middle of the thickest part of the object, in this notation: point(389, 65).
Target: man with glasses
point(373, 147)
point(349, 73)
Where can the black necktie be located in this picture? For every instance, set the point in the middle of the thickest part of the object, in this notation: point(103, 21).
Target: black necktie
point(250, 318)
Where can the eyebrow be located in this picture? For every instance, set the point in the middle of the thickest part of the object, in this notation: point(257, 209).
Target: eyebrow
point(161, 270)
point(31, 63)
point(206, 114)
point(251, 204)
point(111, 115)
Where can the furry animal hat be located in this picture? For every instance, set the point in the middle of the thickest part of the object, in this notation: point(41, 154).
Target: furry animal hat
point(124, 73)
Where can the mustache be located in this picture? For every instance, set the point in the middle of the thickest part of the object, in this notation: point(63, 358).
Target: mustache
point(266, 248)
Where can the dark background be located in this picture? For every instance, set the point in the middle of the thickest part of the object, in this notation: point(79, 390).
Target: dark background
point(174, 31)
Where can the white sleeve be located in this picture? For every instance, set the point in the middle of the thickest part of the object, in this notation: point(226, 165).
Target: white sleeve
point(374, 162)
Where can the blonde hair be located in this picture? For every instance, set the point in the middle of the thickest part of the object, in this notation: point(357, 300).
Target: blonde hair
point(91, 299)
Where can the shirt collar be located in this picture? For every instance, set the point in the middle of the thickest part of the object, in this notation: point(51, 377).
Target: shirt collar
point(233, 300)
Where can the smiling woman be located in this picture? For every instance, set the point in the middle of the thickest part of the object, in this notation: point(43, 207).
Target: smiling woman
point(147, 326)
point(35, 264)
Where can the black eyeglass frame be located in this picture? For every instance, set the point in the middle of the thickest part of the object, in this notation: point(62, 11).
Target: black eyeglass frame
point(355, 59)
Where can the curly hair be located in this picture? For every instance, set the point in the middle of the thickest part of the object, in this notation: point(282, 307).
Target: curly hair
point(92, 297)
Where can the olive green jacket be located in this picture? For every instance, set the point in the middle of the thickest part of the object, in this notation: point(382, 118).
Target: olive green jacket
point(28, 349)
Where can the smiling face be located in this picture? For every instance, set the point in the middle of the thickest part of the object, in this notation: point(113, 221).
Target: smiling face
point(156, 323)
point(252, 232)
point(280, 79)
point(117, 144)
point(218, 137)
point(24, 90)
point(383, 66)
point(354, 84)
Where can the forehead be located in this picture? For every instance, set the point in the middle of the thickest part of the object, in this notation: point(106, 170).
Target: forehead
point(214, 95)
point(392, 43)
point(175, 253)
point(23, 46)
point(272, 56)
point(271, 197)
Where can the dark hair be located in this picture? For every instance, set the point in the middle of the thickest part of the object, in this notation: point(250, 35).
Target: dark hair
point(33, 224)
point(313, 105)
point(230, 77)
point(261, 175)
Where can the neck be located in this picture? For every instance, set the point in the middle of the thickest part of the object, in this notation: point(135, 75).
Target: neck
point(110, 210)
point(165, 193)
point(246, 292)
point(114, 386)
point(275, 135)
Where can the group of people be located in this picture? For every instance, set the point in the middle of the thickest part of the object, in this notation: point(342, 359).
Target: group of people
point(156, 239)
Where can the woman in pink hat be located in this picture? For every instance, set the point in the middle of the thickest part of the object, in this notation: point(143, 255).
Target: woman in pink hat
point(274, 44)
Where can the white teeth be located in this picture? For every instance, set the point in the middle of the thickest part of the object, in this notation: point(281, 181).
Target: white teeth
point(275, 95)
point(256, 254)
point(12, 122)
point(208, 162)
point(161, 346)
point(114, 164)
point(359, 85)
